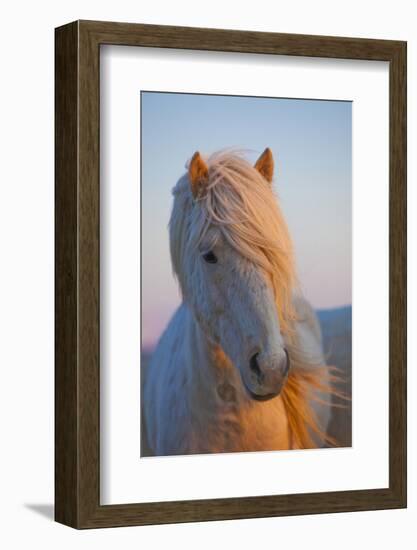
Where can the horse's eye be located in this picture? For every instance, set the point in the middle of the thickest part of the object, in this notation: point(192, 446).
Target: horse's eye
point(210, 258)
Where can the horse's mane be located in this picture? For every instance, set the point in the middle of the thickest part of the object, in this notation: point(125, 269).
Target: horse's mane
point(243, 206)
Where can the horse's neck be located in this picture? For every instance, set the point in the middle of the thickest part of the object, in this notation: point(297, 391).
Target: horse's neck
point(208, 367)
point(305, 347)
point(207, 363)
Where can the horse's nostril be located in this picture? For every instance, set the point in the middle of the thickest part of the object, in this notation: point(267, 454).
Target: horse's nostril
point(254, 366)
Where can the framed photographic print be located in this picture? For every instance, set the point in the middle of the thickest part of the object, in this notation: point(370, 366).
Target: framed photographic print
point(230, 274)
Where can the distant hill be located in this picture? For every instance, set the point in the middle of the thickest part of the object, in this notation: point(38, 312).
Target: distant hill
point(336, 326)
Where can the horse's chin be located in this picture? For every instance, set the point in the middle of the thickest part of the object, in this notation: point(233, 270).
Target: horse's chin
point(259, 397)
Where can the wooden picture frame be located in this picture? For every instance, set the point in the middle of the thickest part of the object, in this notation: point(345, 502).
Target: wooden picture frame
point(77, 372)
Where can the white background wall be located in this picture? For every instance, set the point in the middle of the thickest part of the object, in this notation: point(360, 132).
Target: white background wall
point(26, 274)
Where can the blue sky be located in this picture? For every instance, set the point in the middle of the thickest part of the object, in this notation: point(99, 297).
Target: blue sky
point(311, 143)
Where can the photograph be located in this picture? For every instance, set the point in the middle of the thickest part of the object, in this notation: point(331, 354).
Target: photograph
point(246, 273)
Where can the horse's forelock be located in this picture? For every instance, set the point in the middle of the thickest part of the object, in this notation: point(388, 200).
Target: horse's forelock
point(243, 205)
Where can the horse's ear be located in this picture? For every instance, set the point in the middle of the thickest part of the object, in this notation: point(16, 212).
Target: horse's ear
point(265, 165)
point(197, 173)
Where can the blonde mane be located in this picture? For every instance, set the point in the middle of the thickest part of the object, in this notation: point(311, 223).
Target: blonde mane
point(242, 205)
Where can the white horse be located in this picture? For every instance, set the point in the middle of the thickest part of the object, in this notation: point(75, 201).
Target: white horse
point(240, 366)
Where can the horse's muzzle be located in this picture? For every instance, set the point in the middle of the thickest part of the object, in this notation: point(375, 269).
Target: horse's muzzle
point(267, 375)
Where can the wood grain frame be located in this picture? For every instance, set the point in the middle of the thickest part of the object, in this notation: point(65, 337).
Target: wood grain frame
point(77, 188)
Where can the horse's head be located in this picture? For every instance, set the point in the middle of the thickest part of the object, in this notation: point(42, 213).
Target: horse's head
point(232, 254)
